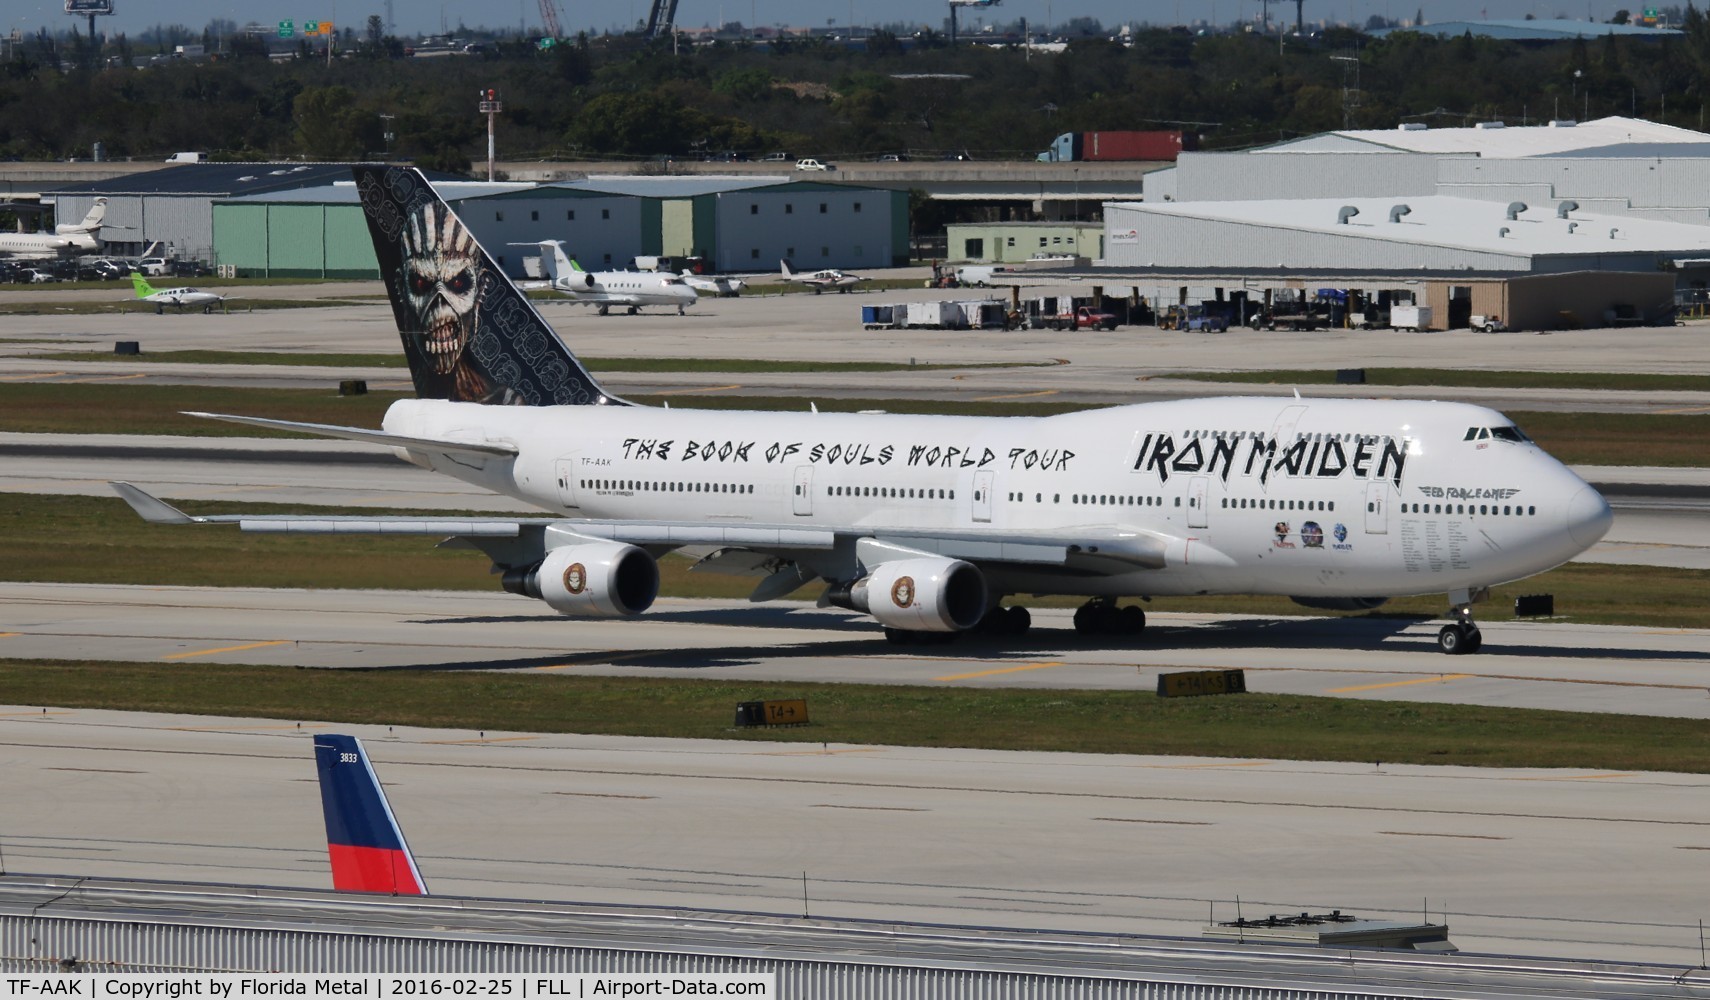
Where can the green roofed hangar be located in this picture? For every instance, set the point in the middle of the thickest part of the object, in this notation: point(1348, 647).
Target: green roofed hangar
point(735, 223)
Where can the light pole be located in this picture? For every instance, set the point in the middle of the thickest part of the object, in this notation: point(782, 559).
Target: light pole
point(490, 106)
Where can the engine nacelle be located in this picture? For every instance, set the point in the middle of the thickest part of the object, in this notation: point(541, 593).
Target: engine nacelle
point(575, 281)
point(923, 595)
point(597, 580)
point(1341, 603)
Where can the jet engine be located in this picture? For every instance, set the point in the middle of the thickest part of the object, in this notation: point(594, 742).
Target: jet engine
point(1340, 603)
point(597, 580)
point(922, 595)
point(575, 281)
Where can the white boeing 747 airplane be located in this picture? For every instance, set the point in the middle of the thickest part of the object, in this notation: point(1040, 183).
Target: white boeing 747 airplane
point(66, 238)
point(930, 523)
point(604, 289)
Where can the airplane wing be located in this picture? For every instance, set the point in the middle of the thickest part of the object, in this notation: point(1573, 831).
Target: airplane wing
point(481, 448)
point(500, 536)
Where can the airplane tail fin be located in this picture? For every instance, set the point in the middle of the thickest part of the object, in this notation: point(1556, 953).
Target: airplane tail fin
point(789, 272)
point(144, 289)
point(364, 843)
point(469, 334)
point(91, 222)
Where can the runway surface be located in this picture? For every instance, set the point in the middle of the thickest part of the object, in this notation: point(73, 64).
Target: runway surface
point(1592, 865)
point(1083, 367)
point(1527, 664)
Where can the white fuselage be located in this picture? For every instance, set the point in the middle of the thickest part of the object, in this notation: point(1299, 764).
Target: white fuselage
point(626, 288)
point(183, 297)
point(42, 244)
point(1303, 497)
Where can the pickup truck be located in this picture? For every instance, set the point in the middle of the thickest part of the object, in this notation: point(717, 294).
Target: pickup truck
point(1083, 318)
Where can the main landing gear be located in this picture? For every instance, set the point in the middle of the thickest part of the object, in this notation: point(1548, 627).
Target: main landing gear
point(1103, 617)
point(1462, 636)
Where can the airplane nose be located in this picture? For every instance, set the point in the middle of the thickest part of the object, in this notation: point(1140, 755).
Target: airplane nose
point(1588, 517)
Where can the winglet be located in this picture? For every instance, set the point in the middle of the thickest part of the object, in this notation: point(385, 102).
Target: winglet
point(152, 509)
point(364, 843)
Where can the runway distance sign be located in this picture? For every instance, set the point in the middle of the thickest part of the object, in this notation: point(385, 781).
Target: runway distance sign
point(1189, 683)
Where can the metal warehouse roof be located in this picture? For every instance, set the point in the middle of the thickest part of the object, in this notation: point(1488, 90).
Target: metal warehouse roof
point(1602, 137)
point(224, 179)
point(344, 193)
point(669, 187)
point(1544, 30)
point(1460, 223)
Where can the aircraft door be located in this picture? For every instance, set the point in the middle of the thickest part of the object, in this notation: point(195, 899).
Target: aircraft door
point(565, 470)
point(803, 493)
point(983, 495)
point(1377, 507)
point(1198, 496)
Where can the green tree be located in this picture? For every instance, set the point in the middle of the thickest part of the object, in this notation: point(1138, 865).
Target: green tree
point(331, 127)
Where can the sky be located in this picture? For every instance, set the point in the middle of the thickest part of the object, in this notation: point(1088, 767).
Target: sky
point(426, 16)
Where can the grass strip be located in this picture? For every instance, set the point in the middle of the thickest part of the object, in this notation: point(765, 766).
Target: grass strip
point(1676, 440)
point(1462, 378)
point(1250, 726)
point(26, 307)
point(114, 546)
point(396, 360)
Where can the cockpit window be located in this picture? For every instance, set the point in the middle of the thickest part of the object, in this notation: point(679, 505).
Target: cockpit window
point(1484, 434)
point(1509, 434)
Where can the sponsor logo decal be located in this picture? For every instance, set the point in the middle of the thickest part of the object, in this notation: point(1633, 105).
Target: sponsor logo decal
point(1311, 535)
point(1280, 529)
point(902, 592)
point(576, 578)
point(1340, 533)
point(1467, 492)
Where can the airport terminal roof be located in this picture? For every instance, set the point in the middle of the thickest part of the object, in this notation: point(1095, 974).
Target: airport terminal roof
point(671, 187)
point(343, 192)
point(1460, 223)
point(225, 179)
point(1537, 30)
point(1612, 136)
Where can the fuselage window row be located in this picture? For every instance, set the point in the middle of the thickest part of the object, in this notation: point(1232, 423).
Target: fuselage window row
point(893, 492)
point(1506, 510)
point(668, 487)
point(1245, 503)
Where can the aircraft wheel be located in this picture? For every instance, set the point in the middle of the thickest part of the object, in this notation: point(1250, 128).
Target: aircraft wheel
point(1018, 620)
point(1459, 639)
point(633, 310)
point(1086, 619)
point(1132, 620)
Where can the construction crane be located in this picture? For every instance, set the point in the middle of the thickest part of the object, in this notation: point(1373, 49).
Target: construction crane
point(965, 3)
point(548, 17)
point(662, 18)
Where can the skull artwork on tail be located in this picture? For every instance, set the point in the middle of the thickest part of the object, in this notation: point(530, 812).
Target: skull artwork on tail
point(440, 266)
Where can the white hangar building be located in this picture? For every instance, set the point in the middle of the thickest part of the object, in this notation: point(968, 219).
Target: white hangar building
point(1612, 166)
point(1397, 235)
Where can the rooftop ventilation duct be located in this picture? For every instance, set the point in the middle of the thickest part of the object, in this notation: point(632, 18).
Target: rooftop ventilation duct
point(1502, 233)
point(1612, 233)
point(1565, 207)
point(1514, 210)
point(1411, 127)
point(1491, 125)
point(1345, 213)
point(1397, 211)
point(1562, 123)
point(1571, 227)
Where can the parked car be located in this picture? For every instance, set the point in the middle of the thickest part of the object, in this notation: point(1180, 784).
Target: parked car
point(812, 164)
point(34, 276)
point(154, 267)
point(893, 158)
point(190, 269)
point(779, 157)
point(1201, 320)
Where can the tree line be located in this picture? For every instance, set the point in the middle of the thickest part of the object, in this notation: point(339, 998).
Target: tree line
point(625, 97)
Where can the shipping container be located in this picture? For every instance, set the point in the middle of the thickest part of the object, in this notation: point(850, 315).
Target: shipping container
point(935, 316)
point(1119, 146)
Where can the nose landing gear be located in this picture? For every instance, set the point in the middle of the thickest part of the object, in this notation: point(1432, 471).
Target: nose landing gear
point(1462, 636)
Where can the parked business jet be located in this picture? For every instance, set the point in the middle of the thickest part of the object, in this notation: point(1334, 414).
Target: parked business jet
point(723, 286)
point(364, 842)
point(179, 297)
point(819, 281)
point(66, 238)
point(928, 523)
point(604, 289)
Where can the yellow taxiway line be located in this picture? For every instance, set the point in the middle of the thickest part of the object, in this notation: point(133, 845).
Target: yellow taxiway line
point(1395, 684)
point(1000, 670)
point(1014, 395)
point(226, 649)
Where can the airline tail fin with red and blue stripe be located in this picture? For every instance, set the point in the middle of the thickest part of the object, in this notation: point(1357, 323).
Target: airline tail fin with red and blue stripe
point(364, 841)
